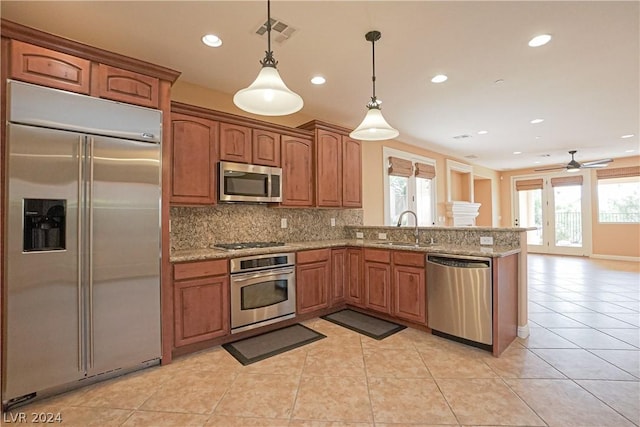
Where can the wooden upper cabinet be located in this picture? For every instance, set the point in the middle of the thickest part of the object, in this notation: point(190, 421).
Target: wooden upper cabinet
point(265, 148)
point(297, 171)
point(235, 143)
point(351, 173)
point(126, 86)
point(193, 163)
point(328, 168)
point(47, 67)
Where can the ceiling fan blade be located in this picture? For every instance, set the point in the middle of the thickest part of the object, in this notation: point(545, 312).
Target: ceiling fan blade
point(553, 168)
point(597, 162)
point(595, 166)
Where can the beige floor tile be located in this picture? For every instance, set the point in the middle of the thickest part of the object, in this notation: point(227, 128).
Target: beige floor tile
point(334, 361)
point(591, 338)
point(126, 392)
point(606, 307)
point(628, 318)
point(564, 403)
point(543, 338)
point(191, 392)
point(458, 362)
point(398, 340)
point(627, 360)
point(623, 396)
point(630, 336)
point(312, 423)
point(599, 320)
point(555, 320)
point(333, 399)
point(89, 417)
point(486, 401)
point(582, 365)
point(164, 419)
point(563, 307)
point(408, 400)
point(259, 396)
point(401, 363)
point(230, 421)
point(216, 359)
point(519, 362)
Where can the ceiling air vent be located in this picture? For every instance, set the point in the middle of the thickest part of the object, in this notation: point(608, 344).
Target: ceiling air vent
point(464, 136)
point(471, 156)
point(280, 32)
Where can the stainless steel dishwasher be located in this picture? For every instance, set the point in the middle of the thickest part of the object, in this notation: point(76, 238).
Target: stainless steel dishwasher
point(459, 294)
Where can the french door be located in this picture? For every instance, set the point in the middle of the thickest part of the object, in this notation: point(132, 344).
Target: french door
point(557, 206)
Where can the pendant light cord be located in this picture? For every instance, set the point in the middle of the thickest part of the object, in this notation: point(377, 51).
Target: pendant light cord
point(269, 60)
point(373, 77)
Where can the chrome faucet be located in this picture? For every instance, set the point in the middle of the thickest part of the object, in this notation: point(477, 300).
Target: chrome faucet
point(415, 229)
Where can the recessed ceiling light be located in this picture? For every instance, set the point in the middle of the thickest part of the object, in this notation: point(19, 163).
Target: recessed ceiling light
point(499, 81)
point(539, 40)
point(318, 80)
point(536, 162)
point(631, 135)
point(212, 40)
point(538, 137)
point(517, 152)
point(483, 132)
point(536, 121)
point(439, 78)
point(629, 151)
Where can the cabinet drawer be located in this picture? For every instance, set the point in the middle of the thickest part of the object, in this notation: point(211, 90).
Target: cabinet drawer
point(127, 86)
point(315, 255)
point(190, 270)
point(377, 255)
point(47, 67)
point(414, 259)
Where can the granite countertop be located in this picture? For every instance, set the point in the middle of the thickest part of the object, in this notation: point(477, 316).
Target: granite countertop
point(216, 253)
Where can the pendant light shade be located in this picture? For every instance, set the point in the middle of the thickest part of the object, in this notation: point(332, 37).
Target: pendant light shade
point(268, 95)
point(374, 127)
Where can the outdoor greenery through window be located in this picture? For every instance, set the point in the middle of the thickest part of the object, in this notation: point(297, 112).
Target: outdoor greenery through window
point(619, 200)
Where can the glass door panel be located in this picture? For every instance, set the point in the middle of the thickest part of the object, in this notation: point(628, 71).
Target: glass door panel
point(529, 213)
point(568, 216)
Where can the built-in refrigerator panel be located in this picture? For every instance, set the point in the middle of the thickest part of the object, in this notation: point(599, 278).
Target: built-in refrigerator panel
point(42, 345)
point(126, 252)
point(83, 250)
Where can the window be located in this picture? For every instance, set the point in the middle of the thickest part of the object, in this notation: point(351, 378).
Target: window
point(619, 199)
point(409, 185)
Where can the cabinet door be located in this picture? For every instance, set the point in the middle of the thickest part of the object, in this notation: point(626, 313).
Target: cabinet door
point(312, 285)
point(339, 275)
point(127, 86)
point(351, 173)
point(235, 143)
point(297, 171)
point(193, 162)
point(328, 164)
point(265, 148)
point(47, 67)
point(354, 281)
point(201, 309)
point(377, 286)
point(409, 293)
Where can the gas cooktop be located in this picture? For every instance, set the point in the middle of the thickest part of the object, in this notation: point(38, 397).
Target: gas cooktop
point(247, 245)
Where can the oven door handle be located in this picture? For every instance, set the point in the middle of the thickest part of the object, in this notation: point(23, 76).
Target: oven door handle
point(261, 275)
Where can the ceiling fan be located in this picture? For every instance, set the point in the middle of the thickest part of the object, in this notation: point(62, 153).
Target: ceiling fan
point(575, 166)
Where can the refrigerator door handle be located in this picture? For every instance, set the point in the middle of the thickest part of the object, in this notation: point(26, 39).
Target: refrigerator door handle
point(80, 219)
point(90, 248)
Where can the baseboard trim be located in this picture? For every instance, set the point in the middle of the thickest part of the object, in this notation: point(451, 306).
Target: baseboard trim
point(523, 331)
point(616, 257)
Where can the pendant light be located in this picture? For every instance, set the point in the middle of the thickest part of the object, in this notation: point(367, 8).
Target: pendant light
point(268, 95)
point(374, 127)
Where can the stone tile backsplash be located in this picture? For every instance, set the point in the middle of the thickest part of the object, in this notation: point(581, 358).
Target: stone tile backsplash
point(199, 227)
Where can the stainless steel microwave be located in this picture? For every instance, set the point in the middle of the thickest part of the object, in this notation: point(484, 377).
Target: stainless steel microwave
point(239, 182)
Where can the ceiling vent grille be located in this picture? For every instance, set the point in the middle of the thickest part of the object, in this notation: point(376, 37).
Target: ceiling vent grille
point(471, 156)
point(464, 136)
point(280, 31)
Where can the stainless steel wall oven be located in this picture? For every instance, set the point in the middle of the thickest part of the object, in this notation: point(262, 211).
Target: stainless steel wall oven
point(263, 290)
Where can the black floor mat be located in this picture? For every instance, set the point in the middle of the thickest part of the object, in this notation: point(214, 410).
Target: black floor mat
point(254, 349)
point(364, 324)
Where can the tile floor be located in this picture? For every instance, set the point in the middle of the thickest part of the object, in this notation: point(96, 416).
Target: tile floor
point(580, 367)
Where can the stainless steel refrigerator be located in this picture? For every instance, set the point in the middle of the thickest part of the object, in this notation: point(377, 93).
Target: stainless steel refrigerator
point(82, 276)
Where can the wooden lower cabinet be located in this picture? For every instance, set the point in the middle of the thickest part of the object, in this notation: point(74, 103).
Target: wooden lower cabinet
point(377, 280)
point(313, 276)
point(354, 282)
point(201, 301)
point(338, 275)
point(409, 293)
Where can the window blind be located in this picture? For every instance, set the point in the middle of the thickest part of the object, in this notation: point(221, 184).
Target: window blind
point(400, 167)
point(529, 184)
point(566, 181)
point(618, 172)
point(425, 171)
